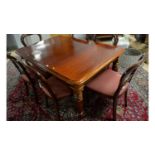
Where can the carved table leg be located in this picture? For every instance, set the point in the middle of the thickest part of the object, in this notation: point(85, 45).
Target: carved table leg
point(78, 96)
point(115, 65)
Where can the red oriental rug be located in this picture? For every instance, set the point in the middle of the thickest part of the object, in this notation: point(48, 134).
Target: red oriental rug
point(23, 108)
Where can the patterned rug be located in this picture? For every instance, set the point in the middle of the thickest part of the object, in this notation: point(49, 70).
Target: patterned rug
point(23, 108)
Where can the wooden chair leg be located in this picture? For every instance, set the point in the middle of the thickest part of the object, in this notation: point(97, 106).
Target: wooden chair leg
point(27, 88)
point(23, 100)
point(22, 94)
point(36, 101)
point(126, 93)
point(57, 110)
point(35, 94)
point(46, 101)
point(114, 109)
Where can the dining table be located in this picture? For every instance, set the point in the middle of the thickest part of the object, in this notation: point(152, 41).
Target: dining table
point(73, 61)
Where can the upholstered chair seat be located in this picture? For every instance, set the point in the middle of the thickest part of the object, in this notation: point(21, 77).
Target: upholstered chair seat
point(107, 83)
point(60, 89)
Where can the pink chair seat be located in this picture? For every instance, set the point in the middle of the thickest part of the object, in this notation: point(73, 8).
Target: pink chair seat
point(107, 83)
point(59, 88)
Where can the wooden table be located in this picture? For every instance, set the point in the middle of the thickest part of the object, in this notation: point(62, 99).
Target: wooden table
point(72, 61)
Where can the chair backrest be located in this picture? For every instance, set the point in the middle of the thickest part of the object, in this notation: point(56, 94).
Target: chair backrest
point(20, 66)
point(128, 74)
point(23, 36)
point(91, 37)
point(106, 36)
point(42, 81)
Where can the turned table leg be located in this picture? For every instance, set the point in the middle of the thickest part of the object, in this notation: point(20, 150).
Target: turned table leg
point(78, 96)
point(115, 65)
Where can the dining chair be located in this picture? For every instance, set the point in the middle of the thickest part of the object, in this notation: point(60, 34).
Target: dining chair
point(29, 79)
point(25, 76)
point(112, 84)
point(52, 88)
point(106, 37)
point(24, 36)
